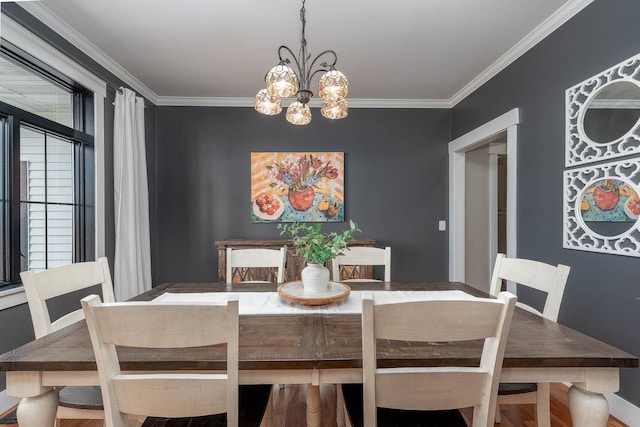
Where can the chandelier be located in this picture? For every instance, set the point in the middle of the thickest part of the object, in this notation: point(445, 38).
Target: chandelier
point(283, 82)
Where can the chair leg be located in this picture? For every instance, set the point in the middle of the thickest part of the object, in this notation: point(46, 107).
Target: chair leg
point(267, 418)
point(543, 405)
point(340, 408)
point(497, 417)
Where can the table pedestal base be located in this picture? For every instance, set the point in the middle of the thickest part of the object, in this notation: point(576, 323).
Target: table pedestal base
point(314, 415)
point(588, 409)
point(38, 411)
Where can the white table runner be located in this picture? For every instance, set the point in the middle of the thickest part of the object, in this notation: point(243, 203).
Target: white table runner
point(271, 303)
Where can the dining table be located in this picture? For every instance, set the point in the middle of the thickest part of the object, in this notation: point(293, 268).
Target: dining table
point(287, 343)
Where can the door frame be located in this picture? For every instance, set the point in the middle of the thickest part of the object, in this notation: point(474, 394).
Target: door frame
point(490, 131)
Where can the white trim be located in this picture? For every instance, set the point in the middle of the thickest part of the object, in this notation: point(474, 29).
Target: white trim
point(507, 122)
point(186, 101)
point(12, 297)
point(493, 212)
point(53, 21)
point(27, 41)
point(478, 136)
point(100, 184)
point(7, 402)
point(553, 22)
point(548, 26)
point(512, 195)
point(623, 410)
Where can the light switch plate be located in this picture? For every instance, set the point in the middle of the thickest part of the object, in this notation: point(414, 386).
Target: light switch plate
point(442, 225)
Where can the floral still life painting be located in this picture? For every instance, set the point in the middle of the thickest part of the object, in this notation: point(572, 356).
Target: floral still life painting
point(290, 187)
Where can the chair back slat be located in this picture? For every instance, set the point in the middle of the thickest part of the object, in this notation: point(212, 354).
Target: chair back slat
point(42, 286)
point(248, 259)
point(458, 388)
point(356, 256)
point(405, 321)
point(149, 394)
point(143, 325)
point(537, 275)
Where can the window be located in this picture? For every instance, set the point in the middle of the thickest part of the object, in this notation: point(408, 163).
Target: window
point(47, 168)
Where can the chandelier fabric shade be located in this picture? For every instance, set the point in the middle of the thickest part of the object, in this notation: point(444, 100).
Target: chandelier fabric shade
point(283, 81)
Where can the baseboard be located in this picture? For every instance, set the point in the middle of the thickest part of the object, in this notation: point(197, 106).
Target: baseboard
point(7, 402)
point(623, 410)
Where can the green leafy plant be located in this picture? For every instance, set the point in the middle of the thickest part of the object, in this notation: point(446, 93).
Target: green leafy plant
point(313, 245)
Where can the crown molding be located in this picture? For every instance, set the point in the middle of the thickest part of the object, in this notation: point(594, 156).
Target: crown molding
point(15, 33)
point(53, 21)
point(561, 16)
point(185, 101)
point(549, 25)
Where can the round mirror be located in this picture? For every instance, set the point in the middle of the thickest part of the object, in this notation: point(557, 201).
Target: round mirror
point(609, 207)
point(612, 112)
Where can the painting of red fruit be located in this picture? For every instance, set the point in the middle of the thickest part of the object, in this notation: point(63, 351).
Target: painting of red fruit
point(609, 200)
point(606, 194)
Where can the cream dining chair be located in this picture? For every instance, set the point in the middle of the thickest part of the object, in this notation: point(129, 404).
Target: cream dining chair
point(76, 402)
point(347, 265)
point(543, 277)
point(244, 262)
point(171, 396)
point(430, 396)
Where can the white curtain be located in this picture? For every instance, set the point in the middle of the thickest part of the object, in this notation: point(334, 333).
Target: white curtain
point(132, 266)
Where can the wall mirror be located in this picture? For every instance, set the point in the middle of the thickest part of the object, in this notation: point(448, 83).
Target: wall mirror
point(601, 208)
point(603, 115)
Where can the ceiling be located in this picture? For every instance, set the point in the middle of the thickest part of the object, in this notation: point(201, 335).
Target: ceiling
point(402, 52)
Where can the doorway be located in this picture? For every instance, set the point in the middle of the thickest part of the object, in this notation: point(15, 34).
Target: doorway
point(485, 209)
point(501, 134)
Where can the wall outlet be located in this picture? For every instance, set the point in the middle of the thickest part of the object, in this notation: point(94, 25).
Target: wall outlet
point(442, 225)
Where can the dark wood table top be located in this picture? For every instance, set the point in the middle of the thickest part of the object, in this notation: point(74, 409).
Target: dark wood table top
point(322, 341)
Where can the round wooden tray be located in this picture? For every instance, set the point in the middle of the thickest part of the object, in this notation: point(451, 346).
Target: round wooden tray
point(294, 292)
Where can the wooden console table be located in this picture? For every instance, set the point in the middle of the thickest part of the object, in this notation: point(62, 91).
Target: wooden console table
point(293, 265)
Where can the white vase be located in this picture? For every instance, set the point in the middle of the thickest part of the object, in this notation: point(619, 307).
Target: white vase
point(315, 278)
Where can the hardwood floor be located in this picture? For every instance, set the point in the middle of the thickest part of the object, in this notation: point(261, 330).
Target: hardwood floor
point(289, 410)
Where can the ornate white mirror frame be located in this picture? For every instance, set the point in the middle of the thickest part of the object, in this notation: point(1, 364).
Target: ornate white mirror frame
point(619, 233)
point(580, 148)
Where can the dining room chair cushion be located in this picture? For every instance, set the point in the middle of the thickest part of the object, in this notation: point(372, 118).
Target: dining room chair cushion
point(516, 388)
point(81, 397)
point(353, 398)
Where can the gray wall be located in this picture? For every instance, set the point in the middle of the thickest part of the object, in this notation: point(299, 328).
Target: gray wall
point(395, 189)
point(601, 298)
